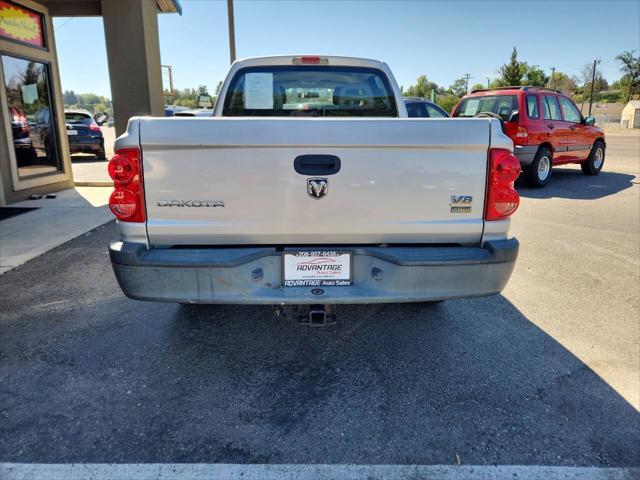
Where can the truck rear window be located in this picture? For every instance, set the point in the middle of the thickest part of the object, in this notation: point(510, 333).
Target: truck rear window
point(501, 105)
point(309, 91)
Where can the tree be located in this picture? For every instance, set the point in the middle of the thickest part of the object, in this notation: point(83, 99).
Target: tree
point(447, 101)
point(563, 82)
point(202, 90)
point(533, 75)
point(459, 87)
point(510, 73)
point(630, 66)
point(477, 86)
point(69, 97)
point(422, 88)
point(218, 88)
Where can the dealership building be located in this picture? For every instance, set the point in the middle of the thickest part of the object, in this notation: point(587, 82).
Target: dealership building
point(34, 152)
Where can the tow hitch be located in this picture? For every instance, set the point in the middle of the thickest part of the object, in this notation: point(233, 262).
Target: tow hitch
point(315, 315)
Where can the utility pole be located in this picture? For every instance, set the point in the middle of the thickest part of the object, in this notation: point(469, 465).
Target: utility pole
point(593, 82)
point(170, 72)
point(467, 76)
point(553, 79)
point(232, 32)
point(488, 82)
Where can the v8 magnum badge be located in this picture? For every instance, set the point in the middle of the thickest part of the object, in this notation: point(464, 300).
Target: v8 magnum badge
point(317, 187)
point(461, 203)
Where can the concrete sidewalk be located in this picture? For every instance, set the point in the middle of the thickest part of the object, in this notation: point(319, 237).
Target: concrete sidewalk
point(56, 221)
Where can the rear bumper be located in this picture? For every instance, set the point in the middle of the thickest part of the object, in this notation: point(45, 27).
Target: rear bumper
point(525, 153)
point(253, 275)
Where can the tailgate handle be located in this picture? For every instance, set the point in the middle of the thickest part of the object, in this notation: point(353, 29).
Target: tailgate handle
point(317, 164)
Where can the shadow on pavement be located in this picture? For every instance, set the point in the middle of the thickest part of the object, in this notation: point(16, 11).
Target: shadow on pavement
point(90, 376)
point(572, 183)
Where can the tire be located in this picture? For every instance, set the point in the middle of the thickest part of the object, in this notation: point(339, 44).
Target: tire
point(537, 174)
point(593, 165)
point(101, 155)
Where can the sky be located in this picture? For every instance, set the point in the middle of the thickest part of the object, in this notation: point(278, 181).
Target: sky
point(443, 40)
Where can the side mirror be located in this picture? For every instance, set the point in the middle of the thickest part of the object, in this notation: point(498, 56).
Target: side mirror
point(514, 116)
point(589, 121)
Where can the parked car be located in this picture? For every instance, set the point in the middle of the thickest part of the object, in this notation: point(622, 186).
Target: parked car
point(84, 133)
point(545, 126)
point(203, 112)
point(21, 136)
point(423, 108)
point(284, 201)
point(171, 110)
point(42, 134)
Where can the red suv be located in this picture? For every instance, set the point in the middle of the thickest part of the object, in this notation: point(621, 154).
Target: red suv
point(546, 127)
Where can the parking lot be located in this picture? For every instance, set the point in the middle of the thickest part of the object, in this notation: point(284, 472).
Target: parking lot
point(544, 374)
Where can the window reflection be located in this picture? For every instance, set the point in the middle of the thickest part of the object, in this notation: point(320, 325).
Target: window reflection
point(31, 116)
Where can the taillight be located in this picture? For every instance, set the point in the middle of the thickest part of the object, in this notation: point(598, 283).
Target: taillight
point(94, 127)
point(310, 60)
point(522, 133)
point(502, 198)
point(127, 200)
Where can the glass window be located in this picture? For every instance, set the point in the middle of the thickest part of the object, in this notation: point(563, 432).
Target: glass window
point(552, 109)
point(78, 118)
point(26, 83)
point(435, 112)
point(310, 91)
point(532, 106)
point(570, 111)
point(417, 110)
point(502, 105)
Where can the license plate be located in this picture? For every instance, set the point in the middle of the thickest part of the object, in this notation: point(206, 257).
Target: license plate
point(72, 132)
point(316, 269)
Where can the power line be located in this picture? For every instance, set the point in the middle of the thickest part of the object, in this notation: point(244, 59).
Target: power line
point(63, 24)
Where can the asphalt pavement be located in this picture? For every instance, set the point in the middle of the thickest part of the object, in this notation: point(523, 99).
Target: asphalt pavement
point(545, 374)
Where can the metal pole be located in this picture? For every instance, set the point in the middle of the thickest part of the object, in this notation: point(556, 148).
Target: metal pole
point(466, 83)
point(593, 81)
point(232, 32)
point(553, 79)
point(488, 82)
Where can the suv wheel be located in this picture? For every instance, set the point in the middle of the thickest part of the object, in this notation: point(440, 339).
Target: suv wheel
point(538, 173)
point(595, 162)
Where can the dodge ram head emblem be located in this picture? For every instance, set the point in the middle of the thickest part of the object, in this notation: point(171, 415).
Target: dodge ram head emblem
point(317, 187)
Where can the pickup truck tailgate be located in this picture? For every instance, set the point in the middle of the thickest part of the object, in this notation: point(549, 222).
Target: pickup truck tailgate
point(232, 180)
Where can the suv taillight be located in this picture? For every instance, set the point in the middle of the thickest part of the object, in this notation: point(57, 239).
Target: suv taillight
point(502, 198)
point(127, 200)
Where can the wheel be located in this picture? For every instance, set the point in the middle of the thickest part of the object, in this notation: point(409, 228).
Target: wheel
point(595, 162)
point(101, 155)
point(538, 173)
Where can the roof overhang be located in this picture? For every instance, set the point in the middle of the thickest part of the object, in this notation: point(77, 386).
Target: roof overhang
point(93, 8)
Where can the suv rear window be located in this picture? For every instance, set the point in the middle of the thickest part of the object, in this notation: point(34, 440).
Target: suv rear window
point(502, 105)
point(78, 118)
point(310, 91)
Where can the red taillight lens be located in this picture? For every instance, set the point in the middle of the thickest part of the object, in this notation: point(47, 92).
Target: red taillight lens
point(127, 201)
point(502, 198)
point(123, 204)
point(310, 60)
point(94, 127)
point(121, 170)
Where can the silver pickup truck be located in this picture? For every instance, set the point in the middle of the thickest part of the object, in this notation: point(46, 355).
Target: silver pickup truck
point(311, 186)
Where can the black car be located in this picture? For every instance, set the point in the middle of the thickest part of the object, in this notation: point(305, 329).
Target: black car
point(84, 133)
point(21, 136)
point(423, 108)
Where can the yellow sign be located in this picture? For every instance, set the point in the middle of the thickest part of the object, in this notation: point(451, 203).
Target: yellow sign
point(17, 23)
